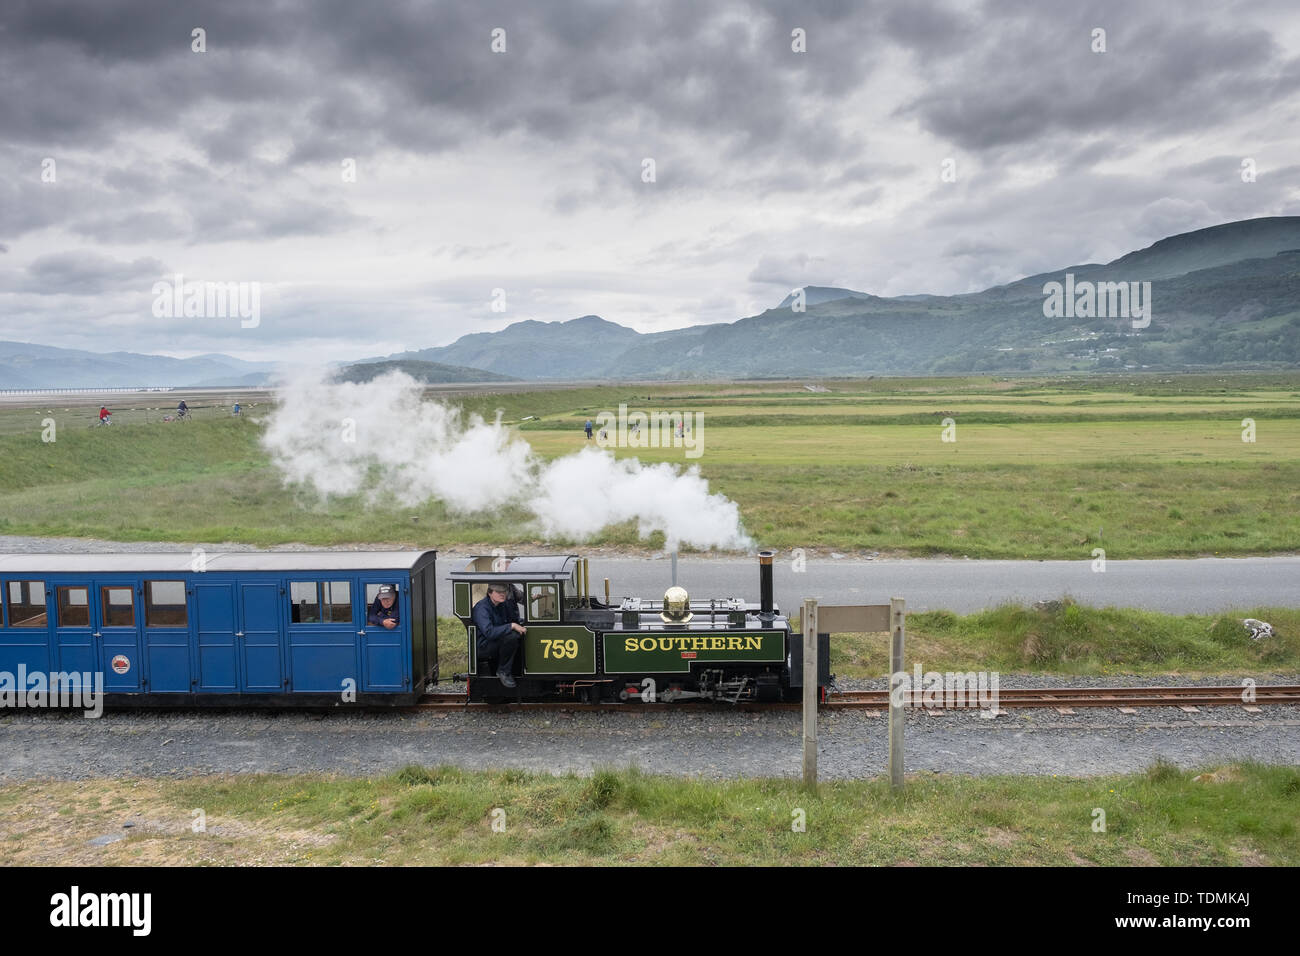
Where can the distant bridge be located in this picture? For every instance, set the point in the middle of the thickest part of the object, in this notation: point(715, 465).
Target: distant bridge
point(88, 390)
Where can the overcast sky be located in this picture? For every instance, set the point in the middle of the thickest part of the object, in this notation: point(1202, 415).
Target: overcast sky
point(523, 170)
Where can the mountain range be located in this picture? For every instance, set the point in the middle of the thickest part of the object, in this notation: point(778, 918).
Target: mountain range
point(1222, 297)
point(1226, 296)
point(23, 365)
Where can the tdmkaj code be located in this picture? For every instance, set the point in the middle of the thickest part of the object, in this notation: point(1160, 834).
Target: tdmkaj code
point(1203, 923)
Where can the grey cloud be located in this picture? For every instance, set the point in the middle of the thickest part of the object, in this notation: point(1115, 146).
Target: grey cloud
point(929, 29)
point(399, 76)
point(792, 269)
point(1020, 84)
point(1169, 216)
point(88, 273)
point(866, 172)
point(457, 251)
point(975, 247)
point(133, 226)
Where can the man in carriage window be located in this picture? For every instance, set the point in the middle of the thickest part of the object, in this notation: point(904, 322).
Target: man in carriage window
point(384, 612)
point(499, 629)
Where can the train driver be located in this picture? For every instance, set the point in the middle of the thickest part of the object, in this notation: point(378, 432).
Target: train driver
point(499, 630)
point(384, 612)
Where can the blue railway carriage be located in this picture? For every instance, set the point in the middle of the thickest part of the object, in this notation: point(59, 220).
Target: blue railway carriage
point(581, 647)
point(222, 628)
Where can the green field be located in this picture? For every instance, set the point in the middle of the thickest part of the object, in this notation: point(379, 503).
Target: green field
point(1142, 466)
point(1235, 815)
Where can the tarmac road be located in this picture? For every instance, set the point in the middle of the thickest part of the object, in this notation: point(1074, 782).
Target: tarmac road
point(1198, 585)
point(1186, 586)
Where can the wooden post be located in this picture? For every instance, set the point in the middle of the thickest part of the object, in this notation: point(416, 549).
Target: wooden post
point(897, 608)
point(810, 693)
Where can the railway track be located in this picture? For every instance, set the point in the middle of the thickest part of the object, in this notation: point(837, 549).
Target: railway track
point(1063, 699)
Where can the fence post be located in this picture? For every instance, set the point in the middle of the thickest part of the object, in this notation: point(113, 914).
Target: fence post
point(809, 617)
point(897, 609)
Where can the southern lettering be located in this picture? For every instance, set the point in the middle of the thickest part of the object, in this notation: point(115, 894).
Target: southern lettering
point(696, 642)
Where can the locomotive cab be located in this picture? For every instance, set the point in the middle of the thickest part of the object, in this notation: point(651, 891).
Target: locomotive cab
point(549, 593)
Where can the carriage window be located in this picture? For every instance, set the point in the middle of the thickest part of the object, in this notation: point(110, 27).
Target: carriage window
point(338, 601)
point(543, 602)
point(164, 604)
point(304, 596)
point(74, 607)
point(307, 606)
point(117, 607)
point(27, 604)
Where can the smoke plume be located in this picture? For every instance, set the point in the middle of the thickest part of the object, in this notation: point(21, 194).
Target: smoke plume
point(380, 439)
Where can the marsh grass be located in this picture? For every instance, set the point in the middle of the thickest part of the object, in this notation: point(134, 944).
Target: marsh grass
point(1143, 467)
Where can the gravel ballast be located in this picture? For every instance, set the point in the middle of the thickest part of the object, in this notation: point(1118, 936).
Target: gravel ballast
point(713, 744)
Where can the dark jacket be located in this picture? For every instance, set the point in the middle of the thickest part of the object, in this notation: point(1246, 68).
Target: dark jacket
point(377, 614)
point(494, 620)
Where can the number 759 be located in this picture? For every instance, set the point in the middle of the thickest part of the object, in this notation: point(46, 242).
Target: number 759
point(560, 649)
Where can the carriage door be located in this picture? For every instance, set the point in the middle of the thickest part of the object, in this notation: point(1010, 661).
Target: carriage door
point(214, 604)
point(323, 639)
point(259, 639)
point(385, 652)
point(76, 643)
point(116, 613)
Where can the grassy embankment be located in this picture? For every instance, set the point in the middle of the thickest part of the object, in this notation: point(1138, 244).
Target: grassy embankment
point(1236, 815)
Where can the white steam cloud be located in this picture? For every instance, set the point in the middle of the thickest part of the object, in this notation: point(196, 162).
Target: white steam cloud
point(381, 438)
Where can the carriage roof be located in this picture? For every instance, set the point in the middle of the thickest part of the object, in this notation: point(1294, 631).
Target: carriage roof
point(179, 562)
point(546, 567)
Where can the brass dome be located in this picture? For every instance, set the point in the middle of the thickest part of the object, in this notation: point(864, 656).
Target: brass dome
point(677, 606)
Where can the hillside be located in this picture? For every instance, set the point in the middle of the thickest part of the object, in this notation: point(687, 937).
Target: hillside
point(23, 365)
point(532, 350)
point(430, 373)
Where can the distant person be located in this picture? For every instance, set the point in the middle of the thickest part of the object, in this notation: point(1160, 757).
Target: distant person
point(235, 410)
point(384, 612)
point(499, 630)
point(105, 417)
point(182, 410)
point(588, 429)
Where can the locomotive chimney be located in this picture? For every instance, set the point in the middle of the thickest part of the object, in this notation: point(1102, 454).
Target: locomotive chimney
point(765, 584)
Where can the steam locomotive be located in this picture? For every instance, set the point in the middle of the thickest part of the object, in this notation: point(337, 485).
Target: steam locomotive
point(580, 647)
point(281, 629)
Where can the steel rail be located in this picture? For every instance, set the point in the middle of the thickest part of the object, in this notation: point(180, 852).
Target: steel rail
point(1060, 697)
